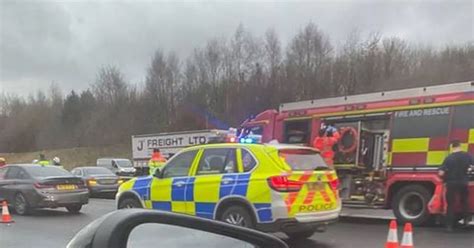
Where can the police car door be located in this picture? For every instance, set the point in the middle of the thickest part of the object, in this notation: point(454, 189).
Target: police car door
point(168, 193)
point(215, 178)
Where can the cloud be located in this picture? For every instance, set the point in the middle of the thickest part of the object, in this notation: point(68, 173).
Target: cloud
point(66, 42)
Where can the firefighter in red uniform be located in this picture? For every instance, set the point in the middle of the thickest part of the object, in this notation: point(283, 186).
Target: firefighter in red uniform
point(328, 137)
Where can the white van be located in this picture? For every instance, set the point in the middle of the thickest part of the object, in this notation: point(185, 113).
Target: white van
point(120, 166)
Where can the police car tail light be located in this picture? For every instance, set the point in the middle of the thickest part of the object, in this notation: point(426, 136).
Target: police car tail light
point(283, 184)
point(334, 184)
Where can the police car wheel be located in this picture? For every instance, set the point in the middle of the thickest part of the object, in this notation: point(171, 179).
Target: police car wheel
point(21, 205)
point(129, 203)
point(300, 235)
point(238, 216)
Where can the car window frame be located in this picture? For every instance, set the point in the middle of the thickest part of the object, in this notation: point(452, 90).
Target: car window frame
point(240, 160)
point(201, 157)
point(191, 166)
point(78, 170)
point(22, 170)
point(8, 171)
point(4, 174)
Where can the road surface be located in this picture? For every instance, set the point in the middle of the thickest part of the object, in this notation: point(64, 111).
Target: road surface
point(54, 228)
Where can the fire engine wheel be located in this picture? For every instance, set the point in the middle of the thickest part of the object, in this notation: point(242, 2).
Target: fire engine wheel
point(410, 204)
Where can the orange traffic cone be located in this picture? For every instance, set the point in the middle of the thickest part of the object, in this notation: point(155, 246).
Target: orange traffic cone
point(6, 217)
point(392, 238)
point(407, 241)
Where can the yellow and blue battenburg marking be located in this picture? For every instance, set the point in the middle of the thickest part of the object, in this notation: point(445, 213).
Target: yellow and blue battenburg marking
point(197, 196)
point(237, 185)
point(264, 211)
point(142, 187)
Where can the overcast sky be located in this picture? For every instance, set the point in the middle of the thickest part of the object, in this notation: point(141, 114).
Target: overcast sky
point(66, 42)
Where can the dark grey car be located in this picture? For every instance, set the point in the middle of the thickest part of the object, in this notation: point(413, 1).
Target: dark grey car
point(98, 179)
point(30, 186)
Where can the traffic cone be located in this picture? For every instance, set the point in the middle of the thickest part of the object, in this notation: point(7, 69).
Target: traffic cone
point(6, 217)
point(407, 241)
point(392, 238)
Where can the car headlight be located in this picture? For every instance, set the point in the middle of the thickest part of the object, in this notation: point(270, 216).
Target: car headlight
point(92, 182)
point(120, 181)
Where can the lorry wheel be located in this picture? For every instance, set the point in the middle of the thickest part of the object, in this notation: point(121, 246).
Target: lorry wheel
point(300, 235)
point(129, 203)
point(410, 204)
point(239, 216)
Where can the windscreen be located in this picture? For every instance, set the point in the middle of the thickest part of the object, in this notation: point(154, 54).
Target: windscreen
point(47, 171)
point(98, 171)
point(124, 163)
point(302, 159)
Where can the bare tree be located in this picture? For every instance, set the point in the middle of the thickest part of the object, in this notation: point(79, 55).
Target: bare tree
point(222, 83)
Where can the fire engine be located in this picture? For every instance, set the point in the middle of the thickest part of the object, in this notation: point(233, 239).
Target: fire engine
point(391, 143)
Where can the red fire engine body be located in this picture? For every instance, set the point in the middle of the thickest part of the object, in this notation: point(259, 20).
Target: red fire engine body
point(392, 143)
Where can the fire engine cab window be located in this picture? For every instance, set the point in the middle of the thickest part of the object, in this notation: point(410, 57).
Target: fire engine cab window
point(217, 161)
point(297, 132)
point(302, 159)
point(257, 130)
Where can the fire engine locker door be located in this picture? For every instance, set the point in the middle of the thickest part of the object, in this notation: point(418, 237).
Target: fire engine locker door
point(378, 159)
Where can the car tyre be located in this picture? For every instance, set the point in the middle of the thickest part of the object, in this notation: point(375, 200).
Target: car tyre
point(74, 209)
point(21, 205)
point(237, 215)
point(300, 235)
point(410, 204)
point(129, 203)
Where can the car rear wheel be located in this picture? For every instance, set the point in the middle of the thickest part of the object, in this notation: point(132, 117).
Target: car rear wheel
point(410, 204)
point(300, 235)
point(21, 205)
point(129, 203)
point(239, 216)
point(75, 209)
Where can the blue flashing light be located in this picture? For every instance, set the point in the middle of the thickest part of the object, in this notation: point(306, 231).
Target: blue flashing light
point(248, 140)
point(242, 140)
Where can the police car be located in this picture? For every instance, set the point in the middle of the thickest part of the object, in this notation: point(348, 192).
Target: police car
point(269, 187)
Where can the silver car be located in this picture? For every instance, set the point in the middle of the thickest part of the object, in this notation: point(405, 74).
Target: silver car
point(98, 179)
point(30, 186)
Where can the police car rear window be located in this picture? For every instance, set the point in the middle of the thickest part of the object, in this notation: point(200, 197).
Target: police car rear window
point(302, 159)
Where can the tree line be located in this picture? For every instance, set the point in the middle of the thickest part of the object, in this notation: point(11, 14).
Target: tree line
point(222, 83)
